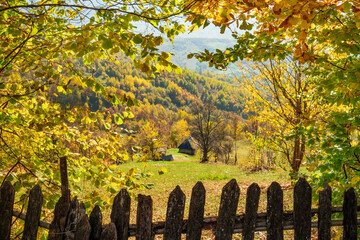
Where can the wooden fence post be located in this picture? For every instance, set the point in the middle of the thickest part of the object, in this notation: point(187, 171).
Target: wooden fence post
point(227, 212)
point(33, 214)
point(252, 204)
point(95, 223)
point(302, 210)
point(174, 215)
point(120, 214)
point(7, 196)
point(350, 214)
point(196, 212)
point(324, 217)
point(144, 218)
point(275, 211)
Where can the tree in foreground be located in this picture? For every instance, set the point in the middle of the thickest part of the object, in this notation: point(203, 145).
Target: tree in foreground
point(280, 96)
point(44, 47)
point(206, 128)
point(323, 33)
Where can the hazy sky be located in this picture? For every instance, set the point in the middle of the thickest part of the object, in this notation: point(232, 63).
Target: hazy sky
point(209, 32)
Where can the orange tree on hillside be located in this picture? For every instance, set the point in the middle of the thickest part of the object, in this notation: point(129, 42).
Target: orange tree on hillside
point(41, 42)
point(324, 33)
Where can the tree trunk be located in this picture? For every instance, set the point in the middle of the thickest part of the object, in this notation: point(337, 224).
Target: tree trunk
point(205, 156)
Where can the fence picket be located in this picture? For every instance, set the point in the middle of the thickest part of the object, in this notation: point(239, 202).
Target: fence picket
point(120, 214)
point(350, 214)
point(109, 232)
point(274, 219)
point(7, 196)
point(324, 221)
point(227, 211)
point(33, 214)
point(174, 215)
point(144, 218)
point(57, 226)
point(252, 204)
point(196, 212)
point(302, 210)
point(95, 223)
point(83, 227)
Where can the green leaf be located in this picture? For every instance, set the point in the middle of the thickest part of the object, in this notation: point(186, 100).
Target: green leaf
point(107, 44)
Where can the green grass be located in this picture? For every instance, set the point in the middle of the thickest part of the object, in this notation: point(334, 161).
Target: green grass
point(213, 176)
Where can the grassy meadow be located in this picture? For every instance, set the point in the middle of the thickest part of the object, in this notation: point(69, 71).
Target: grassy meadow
point(186, 170)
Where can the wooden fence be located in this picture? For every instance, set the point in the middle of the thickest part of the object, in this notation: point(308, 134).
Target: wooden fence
point(71, 221)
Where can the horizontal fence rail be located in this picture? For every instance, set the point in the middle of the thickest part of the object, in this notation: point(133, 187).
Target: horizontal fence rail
point(70, 220)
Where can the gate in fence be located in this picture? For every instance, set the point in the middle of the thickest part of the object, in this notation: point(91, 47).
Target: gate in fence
point(71, 221)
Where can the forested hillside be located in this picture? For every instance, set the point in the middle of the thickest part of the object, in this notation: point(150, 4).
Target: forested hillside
point(173, 91)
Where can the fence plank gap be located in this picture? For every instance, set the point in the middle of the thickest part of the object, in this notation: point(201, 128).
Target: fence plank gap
point(302, 210)
point(33, 214)
point(96, 223)
point(144, 218)
point(109, 232)
point(227, 211)
point(174, 215)
point(252, 204)
point(196, 212)
point(324, 217)
point(350, 214)
point(120, 214)
point(7, 196)
point(275, 210)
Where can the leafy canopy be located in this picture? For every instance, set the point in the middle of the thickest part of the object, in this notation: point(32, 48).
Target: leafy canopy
point(42, 43)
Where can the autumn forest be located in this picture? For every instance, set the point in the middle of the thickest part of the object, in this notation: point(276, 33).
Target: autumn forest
point(112, 83)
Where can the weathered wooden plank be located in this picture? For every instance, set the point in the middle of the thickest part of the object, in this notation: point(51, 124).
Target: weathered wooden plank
point(33, 214)
point(227, 211)
point(95, 222)
point(57, 226)
point(324, 217)
point(144, 218)
point(109, 232)
point(302, 210)
point(174, 215)
point(64, 178)
point(120, 214)
point(83, 227)
point(252, 204)
point(196, 212)
point(7, 196)
point(350, 214)
point(275, 210)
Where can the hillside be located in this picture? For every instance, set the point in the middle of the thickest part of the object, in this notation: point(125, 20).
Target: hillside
point(170, 90)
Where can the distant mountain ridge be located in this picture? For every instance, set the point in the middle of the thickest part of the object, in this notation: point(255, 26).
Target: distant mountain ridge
point(184, 46)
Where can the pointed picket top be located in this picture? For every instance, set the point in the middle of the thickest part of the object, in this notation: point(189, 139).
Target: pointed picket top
point(144, 218)
point(252, 204)
point(33, 214)
point(95, 222)
point(120, 214)
point(227, 211)
point(174, 214)
point(275, 209)
point(350, 214)
point(196, 212)
point(7, 196)
point(324, 217)
point(302, 210)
